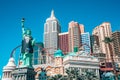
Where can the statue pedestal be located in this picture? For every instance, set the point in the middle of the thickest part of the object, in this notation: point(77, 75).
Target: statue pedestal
point(23, 73)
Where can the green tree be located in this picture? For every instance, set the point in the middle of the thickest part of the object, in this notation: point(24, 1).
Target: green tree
point(55, 77)
point(90, 75)
point(73, 74)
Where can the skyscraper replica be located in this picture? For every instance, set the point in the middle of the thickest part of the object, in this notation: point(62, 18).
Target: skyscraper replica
point(63, 42)
point(74, 36)
point(116, 43)
point(102, 31)
point(85, 40)
point(82, 30)
point(51, 31)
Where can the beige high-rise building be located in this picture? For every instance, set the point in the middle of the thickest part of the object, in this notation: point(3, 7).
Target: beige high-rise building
point(102, 31)
point(116, 42)
point(73, 35)
point(81, 28)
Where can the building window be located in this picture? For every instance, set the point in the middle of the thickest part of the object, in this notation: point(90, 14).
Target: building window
point(54, 26)
point(46, 27)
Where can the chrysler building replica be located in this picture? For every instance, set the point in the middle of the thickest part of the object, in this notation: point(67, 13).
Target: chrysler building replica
point(51, 31)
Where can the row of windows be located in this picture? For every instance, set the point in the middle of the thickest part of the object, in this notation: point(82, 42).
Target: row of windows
point(54, 26)
point(83, 69)
point(22, 77)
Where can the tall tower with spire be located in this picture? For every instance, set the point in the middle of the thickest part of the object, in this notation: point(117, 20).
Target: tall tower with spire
point(51, 31)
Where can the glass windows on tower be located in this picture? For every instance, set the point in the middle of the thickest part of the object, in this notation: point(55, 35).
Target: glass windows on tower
point(46, 28)
point(54, 24)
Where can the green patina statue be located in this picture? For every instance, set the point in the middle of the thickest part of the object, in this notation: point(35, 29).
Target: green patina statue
point(27, 47)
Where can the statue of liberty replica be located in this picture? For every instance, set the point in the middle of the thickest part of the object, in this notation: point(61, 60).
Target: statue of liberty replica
point(27, 47)
point(25, 71)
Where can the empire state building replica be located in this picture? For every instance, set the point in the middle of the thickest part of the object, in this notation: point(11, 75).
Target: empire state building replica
point(51, 31)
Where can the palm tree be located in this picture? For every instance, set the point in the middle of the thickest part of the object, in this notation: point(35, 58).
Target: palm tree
point(57, 77)
point(63, 78)
point(73, 74)
point(109, 41)
point(69, 74)
point(91, 75)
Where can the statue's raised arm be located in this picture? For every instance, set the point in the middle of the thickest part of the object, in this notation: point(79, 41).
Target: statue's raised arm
point(22, 24)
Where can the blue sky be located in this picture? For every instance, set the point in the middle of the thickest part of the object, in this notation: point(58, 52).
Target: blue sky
point(88, 12)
